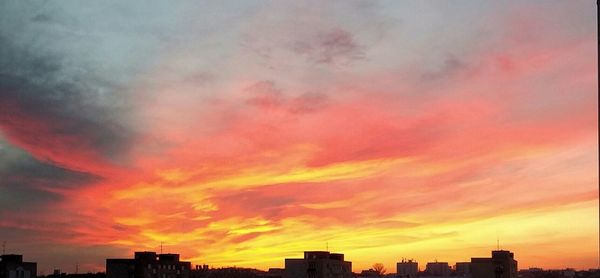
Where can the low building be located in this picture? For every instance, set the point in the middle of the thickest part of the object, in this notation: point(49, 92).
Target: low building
point(13, 266)
point(438, 269)
point(318, 264)
point(501, 265)
point(407, 269)
point(148, 265)
point(234, 272)
point(369, 273)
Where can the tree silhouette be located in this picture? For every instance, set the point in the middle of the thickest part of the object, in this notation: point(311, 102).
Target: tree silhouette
point(379, 268)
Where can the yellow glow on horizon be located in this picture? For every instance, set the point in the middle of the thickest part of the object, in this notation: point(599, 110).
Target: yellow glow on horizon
point(527, 225)
point(367, 245)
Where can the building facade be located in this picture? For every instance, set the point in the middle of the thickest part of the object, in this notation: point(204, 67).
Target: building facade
point(318, 264)
point(407, 269)
point(438, 269)
point(148, 265)
point(13, 266)
point(462, 269)
point(502, 264)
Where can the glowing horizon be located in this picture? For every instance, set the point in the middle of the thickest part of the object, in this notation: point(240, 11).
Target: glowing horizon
point(242, 134)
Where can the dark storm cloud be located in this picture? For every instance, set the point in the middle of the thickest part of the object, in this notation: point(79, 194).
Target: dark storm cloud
point(62, 108)
point(46, 104)
point(55, 100)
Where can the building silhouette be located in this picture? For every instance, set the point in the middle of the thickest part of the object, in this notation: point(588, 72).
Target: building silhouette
point(234, 272)
point(58, 274)
point(369, 273)
point(438, 269)
point(462, 269)
point(501, 265)
point(13, 266)
point(407, 269)
point(148, 265)
point(318, 264)
point(558, 273)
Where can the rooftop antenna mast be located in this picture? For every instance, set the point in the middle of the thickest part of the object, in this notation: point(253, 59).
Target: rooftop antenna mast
point(4, 248)
point(497, 240)
point(327, 245)
point(161, 243)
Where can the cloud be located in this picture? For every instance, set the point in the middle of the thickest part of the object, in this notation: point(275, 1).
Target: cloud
point(265, 95)
point(377, 146)
point(335, 46)
point(61, 111)
point(308, 102)
point(452, 65)
point(27, 184)
point(44, 18)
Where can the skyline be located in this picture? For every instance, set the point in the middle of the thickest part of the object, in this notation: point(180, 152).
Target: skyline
point(419, 266)
point(244, 132)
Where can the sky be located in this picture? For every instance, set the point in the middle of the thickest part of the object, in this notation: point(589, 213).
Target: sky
point(240, 133)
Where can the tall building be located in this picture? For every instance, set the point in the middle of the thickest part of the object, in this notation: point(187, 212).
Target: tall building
point(407, 269)
point(148, 265)
point(318, 264)
point(502, 264)
point(13, 266)
point(438, 269)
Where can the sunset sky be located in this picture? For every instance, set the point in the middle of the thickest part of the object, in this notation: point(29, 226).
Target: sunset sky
point(245, 132)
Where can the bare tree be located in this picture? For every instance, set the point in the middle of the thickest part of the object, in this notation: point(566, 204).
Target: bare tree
point(379, 268)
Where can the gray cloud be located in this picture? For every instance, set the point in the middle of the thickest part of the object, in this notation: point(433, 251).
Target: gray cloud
point(60, 100)
point(451, 66)
point(329, 47)
point(42, 18)
point(267, 95)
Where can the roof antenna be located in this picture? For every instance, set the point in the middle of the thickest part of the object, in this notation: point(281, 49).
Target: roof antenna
point(161, 243)
point(497, 240)
point(4, 248)
point(327, 245)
